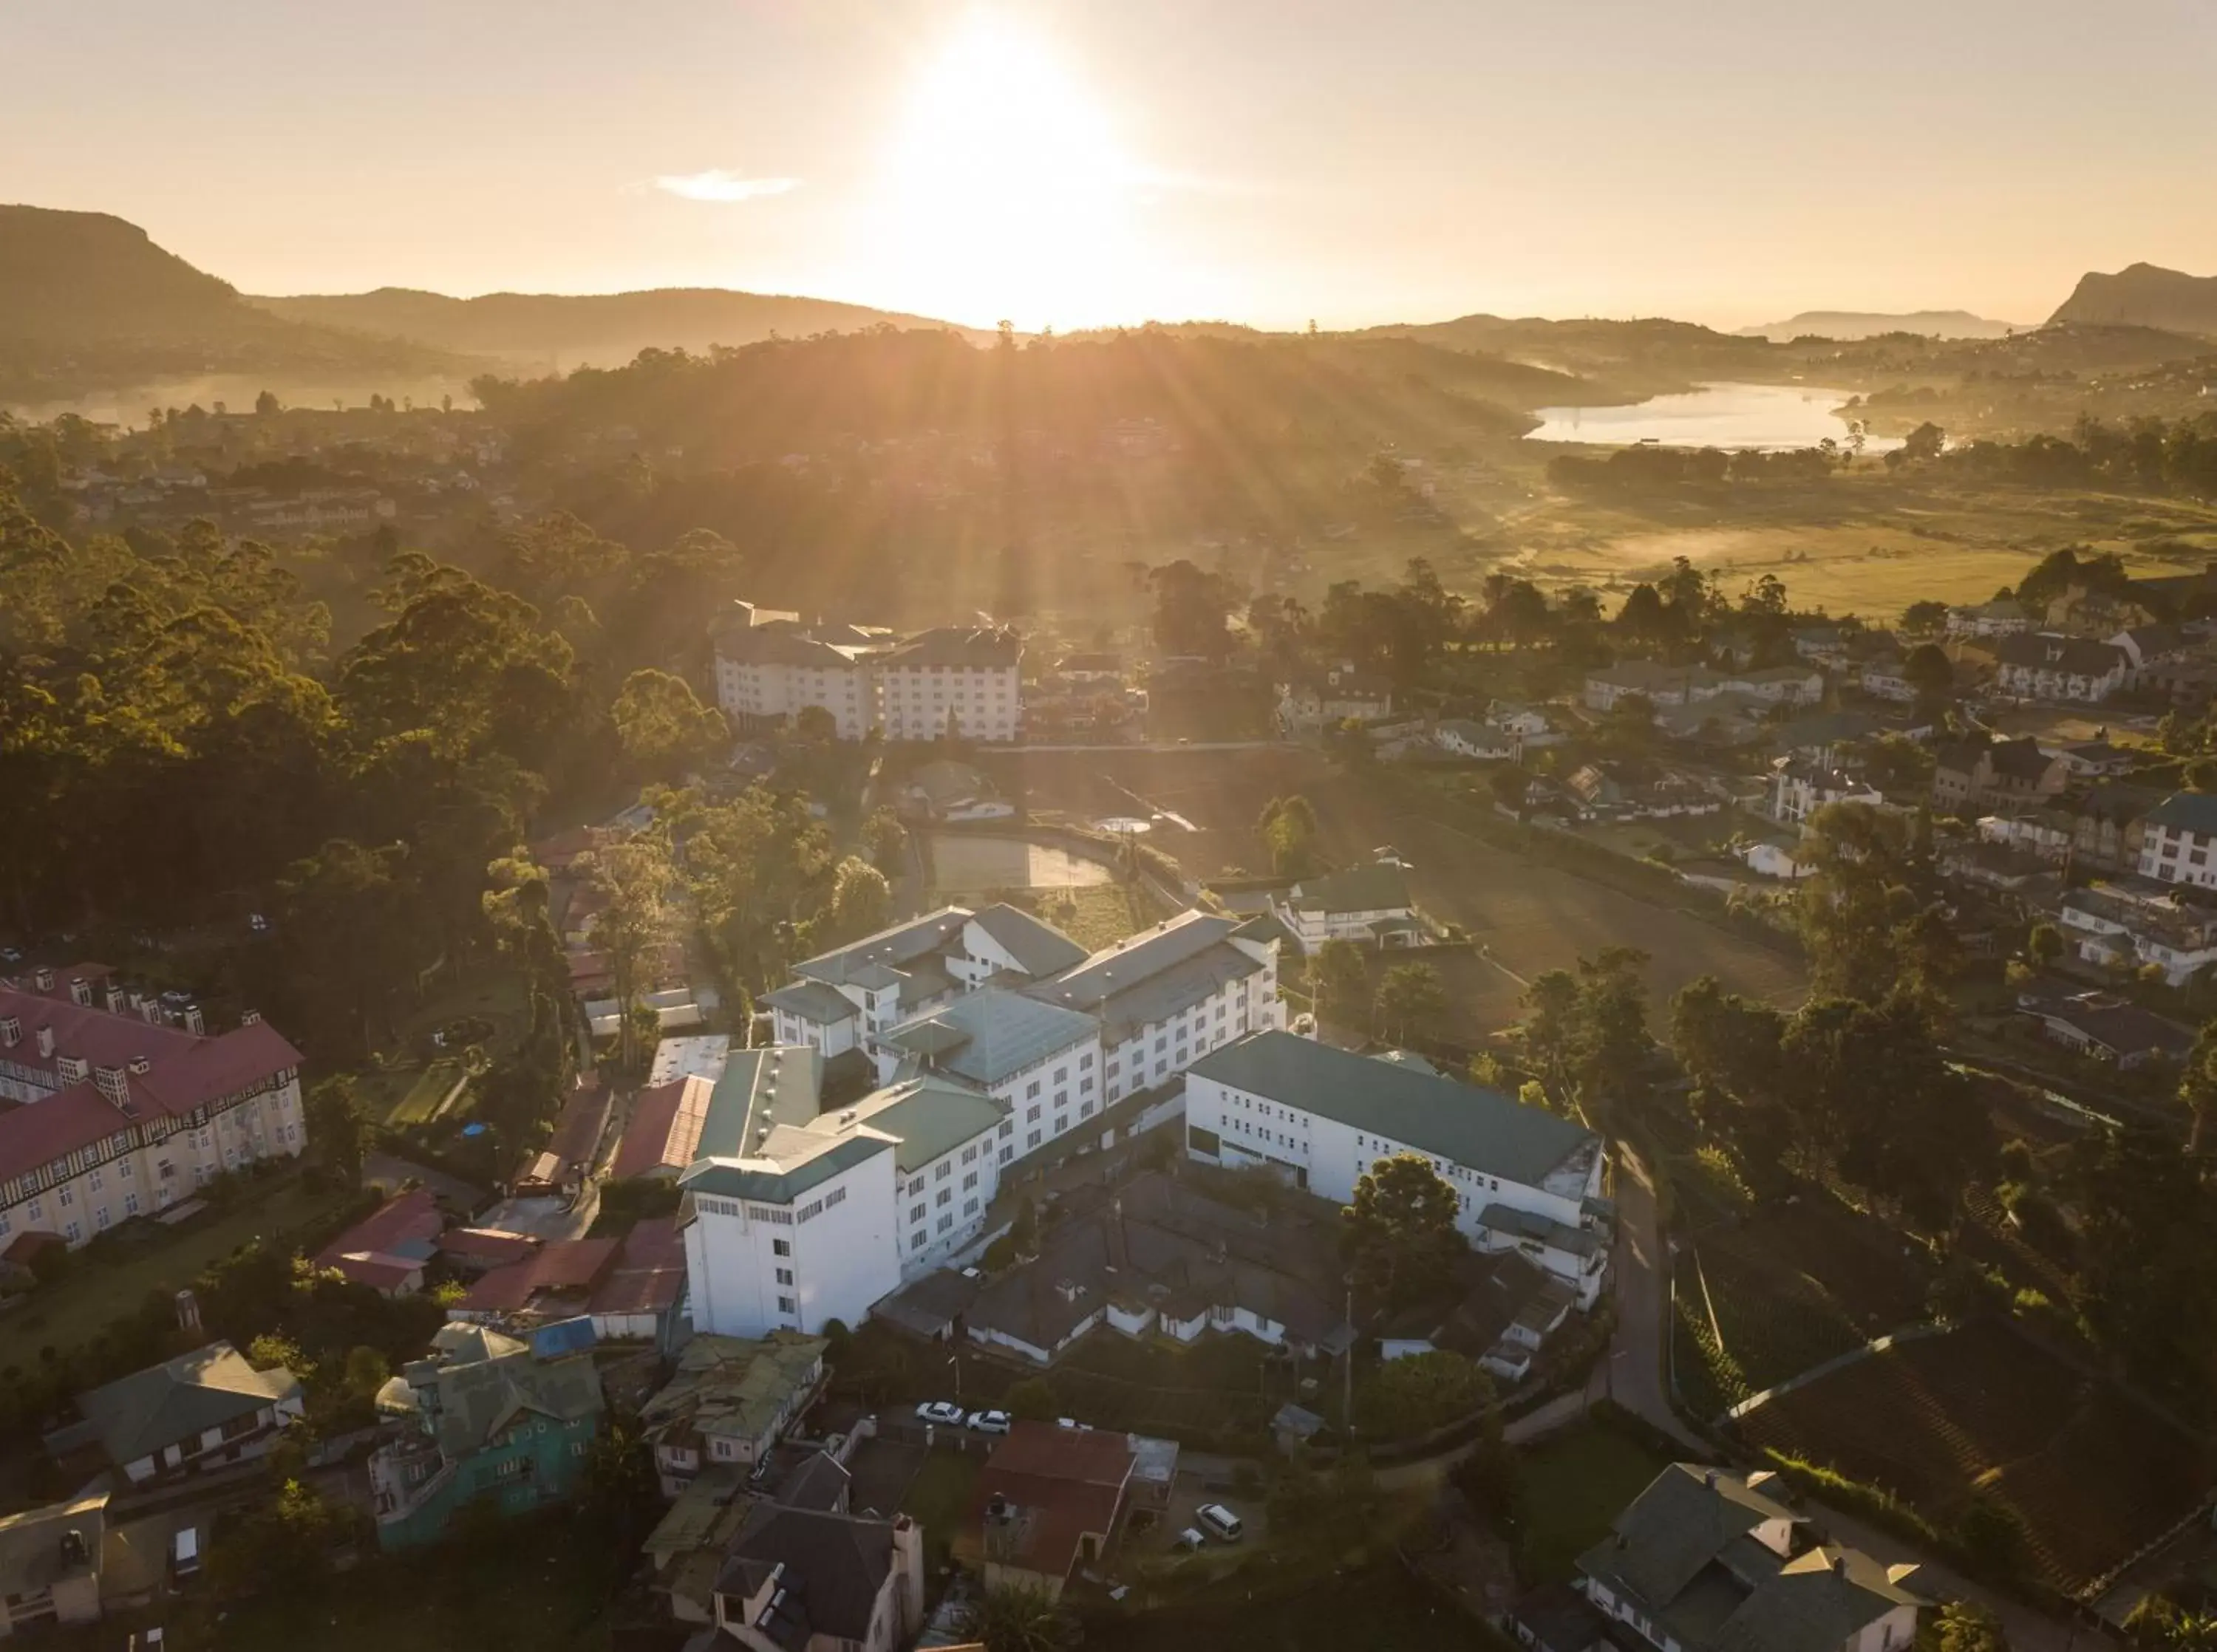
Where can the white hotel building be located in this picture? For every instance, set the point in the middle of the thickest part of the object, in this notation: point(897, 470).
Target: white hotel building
point(121, 1113)
point(1524, 1180)
point(964, 680)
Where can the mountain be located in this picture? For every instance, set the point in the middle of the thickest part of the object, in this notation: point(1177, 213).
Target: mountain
point(540, 331)
point(90, 303)
point(2144, 295)
point(1856, 325)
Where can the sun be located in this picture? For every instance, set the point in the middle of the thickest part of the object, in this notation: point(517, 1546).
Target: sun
point(1007, 193)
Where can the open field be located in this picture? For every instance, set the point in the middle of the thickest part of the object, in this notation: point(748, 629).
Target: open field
point(1525, 917)
point(1575, 1484)
point(101, 1289)
point(1981, 1411)
point(428, 1095)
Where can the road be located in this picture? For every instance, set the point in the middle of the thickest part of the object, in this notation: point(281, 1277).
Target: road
point(1635, 1352)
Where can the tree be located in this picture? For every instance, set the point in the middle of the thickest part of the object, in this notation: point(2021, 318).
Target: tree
point(1922, 619)
point(1031, 1400)
point(1191, 606)
point(1930, 672)
point(861, 901)
point(662, 725)
point(265, 405)
point(2197, 1084)
point(2044, 945)
point(1400, 1231)
point(338, 1128)
point(886, 840)
point(1020, 1618)
point(1924, 442)
point(1288, 826)
point(1339, 978)
point(1411, 1003)
point(1420, 1392)
point(636, 881)
point(1961, 1626)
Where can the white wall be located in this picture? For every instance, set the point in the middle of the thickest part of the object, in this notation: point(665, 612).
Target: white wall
point(843, 1260)
point(931, 1232)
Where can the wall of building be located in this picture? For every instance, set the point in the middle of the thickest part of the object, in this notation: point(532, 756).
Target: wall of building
point(836, 1263)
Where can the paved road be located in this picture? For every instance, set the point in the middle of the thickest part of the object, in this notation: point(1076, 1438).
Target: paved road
point(1635, 1353)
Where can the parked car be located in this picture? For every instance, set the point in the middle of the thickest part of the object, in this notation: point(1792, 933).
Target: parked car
point(989, 1422)
point(940, 1411)
point(1221, 1522)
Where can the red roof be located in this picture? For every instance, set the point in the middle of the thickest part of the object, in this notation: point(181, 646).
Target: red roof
point(1064, 1483)
point(487, 1247)
point(562, 1266)
point(649, 1274)
point(664, 1128)
point(577, 1130)
point(390, 1244)
point(1088, 1456)
point(24, 1245)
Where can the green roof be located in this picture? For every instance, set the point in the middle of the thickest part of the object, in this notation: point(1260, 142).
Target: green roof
point(1039, 947)
point(137, 1416)
point(790, 1163)
point(1357, 889)
point(811, 1001)
point(1482, 1130)
point(484, 1382)
point(2186, 811)
point(988, 1035)
point(931, 1117)
point(759, 1089)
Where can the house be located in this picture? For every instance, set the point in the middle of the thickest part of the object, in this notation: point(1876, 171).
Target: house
point(202, 1410)
point(1969, 776)
point(2048, 667)
point(1998, 867)
point(2107, 1027)
point(1731, 716)
point(2101, 828)
point(799, 1579)
point(1648, 680)
point(1820, 736)
point(1527, 724)
point(2177, 839)
point(2147, 649)
point(1368, 905)
point(661, 1135)
point(1799, 788)
point(1708, 1561)
point(485, 1417)
point(51, 1561)
point(1776, 854)
point(1322, 1117)
point(627, 1287)
point(1777, 685)
point(2131, 925)
point(2000, 617)
point(1462, 737)
point(1047, 1503)
point(128, 1113)
point(1506, 1309)
point(1887, 678)
point(2095, 759)
point(1337, 694)
point(389, 1248)
point(728, 1403)
point(1091, 670)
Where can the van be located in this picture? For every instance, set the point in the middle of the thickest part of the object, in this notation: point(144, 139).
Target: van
point(184, 1554)
point(1220, 1520)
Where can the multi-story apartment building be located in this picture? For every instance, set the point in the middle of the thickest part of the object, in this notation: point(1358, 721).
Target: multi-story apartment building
point(1524, 1180)
point(776, 668)
point(2178, 840)
point(124, 1114)
point(1041, 1062)
point(2043, 666)
point(958, 680)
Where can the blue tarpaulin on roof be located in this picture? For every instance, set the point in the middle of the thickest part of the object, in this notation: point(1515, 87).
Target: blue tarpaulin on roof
point(563, 1336)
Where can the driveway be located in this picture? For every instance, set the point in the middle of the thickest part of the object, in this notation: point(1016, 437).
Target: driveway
point(1635, 1352)
point(390, 1170)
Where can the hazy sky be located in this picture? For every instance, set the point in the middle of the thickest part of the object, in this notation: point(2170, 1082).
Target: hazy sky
point(1088, 161)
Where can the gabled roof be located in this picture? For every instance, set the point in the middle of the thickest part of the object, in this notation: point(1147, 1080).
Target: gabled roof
point(2046, 652)
point(729, 1385)
point(1480, 1129)
point(663, 1131)
point(138, 1415)
point(777, 1084)
point(812, 1001)
point(988, 1035)
point(1156, 973)
point(876, 960)
point(834, 1567)
point(930, 1118)
point(1039, 948)
point(958, 645)
point(2186, 811)
point(1678, 1526)
point(392, 1242)
point(1375, 888)
point(486, 1381)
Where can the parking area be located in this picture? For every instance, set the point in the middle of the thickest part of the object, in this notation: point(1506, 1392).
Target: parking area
point(1154, 1536)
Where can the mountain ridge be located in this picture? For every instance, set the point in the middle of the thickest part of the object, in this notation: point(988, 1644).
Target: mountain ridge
point(1856, 325)
point(2144, 295)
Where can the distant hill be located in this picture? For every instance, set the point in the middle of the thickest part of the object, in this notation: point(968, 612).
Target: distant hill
point(2144, 295)
point(540, 330)
point(89, 303)
point(1856, 325)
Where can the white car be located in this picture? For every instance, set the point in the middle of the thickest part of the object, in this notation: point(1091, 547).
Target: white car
point(1220, 1522)
point(989, 1422)
point(940, 1411)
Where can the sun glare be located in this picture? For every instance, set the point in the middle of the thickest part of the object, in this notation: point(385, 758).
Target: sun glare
point(1009, 194)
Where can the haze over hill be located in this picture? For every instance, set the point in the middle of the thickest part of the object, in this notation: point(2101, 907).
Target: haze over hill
point(2144, 295)
point(557, 331)
point(1857, 324)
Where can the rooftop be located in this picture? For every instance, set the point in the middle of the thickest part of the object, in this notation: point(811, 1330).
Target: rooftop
point(663, 1131)
point(1375, 888)
point(829, 1568)
point(390, 1243)
point(137, 1416)
point(481, 1382)
point(730, 1386)
point(991, 1034)
point(1154, 974)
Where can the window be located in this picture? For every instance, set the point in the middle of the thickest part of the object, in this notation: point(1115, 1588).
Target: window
point(1031, 1089)
point(1008, 1128)
point(123, 1168)
point(784, 1276)
point(1031, 1140)
point(969, 1207)
point(946, 1196)
point(918, 1240)
point(1085, 1061)
point(1061, 1123)
point(95, 1178)
point(785, 1305)
point(916, 1213)
point(67, 1197)
point(969, 1181)
point(915, 1185)
point(947, 1221)
point(1031, 1113)
point(1062, 1075)
point(1085, 1109)
point(100, 1218)
point(781, 1246)
point(73, 1232)
point(130, 1208)
point(1086, 1087)
point(941, 1171)
point(1006, 1153)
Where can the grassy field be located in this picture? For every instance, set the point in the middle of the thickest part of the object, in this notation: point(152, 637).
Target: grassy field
point(1981, 1411)
point(428, 1095)
point(101, 1289)
point(1575, 1483)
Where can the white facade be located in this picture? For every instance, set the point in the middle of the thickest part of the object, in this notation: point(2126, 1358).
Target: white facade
point(943, 1203)
point(772, 689)
point(1477, 739)
point(2174, 852)
point(926, 701)
point(755, 1265)
point(1156, 1051)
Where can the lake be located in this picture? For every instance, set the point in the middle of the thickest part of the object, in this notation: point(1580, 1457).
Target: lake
point(1773, 416)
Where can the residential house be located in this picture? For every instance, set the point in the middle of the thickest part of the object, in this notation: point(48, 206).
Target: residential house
point(1731, 716)
point(2095, 759)
point(1047, 1503)
point(2001, 618)
point(1657, 684)
point(1368, 905)
point(1091, 670)
point(627, 1288)
point(1973, 776)
point(2001, 867)
point(2148, 649)
point(2044, 666)
point(1462, 737)
point(1335, 694)
point(2130, 925)
point(728, 1403)
point(1824, 644)
point(1506, 1308)
point(1776, 854)
point(2177, 838)
point(1887, 678)
point(2107, 1027)
point(51, 1563)
point(1777, 685)
point(202, 1410)
point(559, 1169)
point(1799, 788)
point(1322, 1117)
point(1530, 725)
point(1820, 736)
point(123, 1113)
point(2048, 833)
point(389, 1248)
point(799, 1579)
point(1705, 1559)
point(485, 1417)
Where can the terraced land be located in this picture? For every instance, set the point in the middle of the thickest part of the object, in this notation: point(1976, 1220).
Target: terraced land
point(1981, 1411)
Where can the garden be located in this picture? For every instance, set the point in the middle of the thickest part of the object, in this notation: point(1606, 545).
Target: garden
point(1980, 1430)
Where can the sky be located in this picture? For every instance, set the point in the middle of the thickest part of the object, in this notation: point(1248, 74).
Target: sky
point(1079, 163)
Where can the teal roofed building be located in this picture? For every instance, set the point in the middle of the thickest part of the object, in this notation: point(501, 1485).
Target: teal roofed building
point(485, 1415)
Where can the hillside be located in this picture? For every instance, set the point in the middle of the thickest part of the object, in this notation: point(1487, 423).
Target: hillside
point(2144, 295)
point(543, 330)
point(89, 303)
point(1856, 324)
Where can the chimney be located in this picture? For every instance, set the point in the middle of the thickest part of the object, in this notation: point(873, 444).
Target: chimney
point(249, 1018)
point(81, 992)
point(149, 1010)
point(189, 1313)
point(11, 1031)
point(46, 1042)
point(195, 1021)
point(111, 1082)
point(115, 999)
point(1709, 1478)
point(43, 979)
point(1840, 1565)
point(141, 1064)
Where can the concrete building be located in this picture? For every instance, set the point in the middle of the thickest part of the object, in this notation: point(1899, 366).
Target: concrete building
point(770, 666)
point(2047, 667)
point(51, 1563)
point(1368, 905)
point(202, 1410)
point(2178, 840)
point(962, 681)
